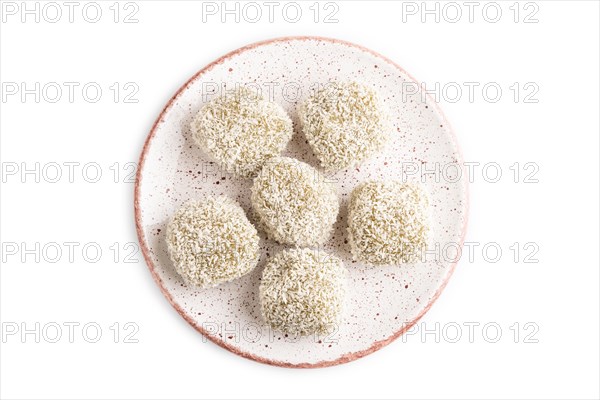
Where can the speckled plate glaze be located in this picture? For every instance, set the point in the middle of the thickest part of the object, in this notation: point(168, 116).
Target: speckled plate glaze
point(383, 302)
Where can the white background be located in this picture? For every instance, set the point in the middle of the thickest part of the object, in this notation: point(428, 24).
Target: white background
point(559, 133)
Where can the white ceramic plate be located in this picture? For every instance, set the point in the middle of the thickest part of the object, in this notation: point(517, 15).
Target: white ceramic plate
point(383, 301)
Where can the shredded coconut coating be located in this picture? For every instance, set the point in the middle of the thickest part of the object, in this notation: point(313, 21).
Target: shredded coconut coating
point(293, 202)
point(241, 131)
point(303, 292)
point(212, 241)
point(345, 124)
point(388, 222)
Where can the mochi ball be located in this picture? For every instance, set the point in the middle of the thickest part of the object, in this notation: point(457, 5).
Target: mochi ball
point(241, 130)
point(293, 203)
point(211, 242)
point(345, 123)
point(388, 222)
point(303, 292)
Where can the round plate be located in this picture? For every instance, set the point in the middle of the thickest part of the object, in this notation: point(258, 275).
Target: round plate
point(383, 302)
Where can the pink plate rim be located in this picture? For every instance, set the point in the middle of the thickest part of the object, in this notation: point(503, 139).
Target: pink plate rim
point(146, 252)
